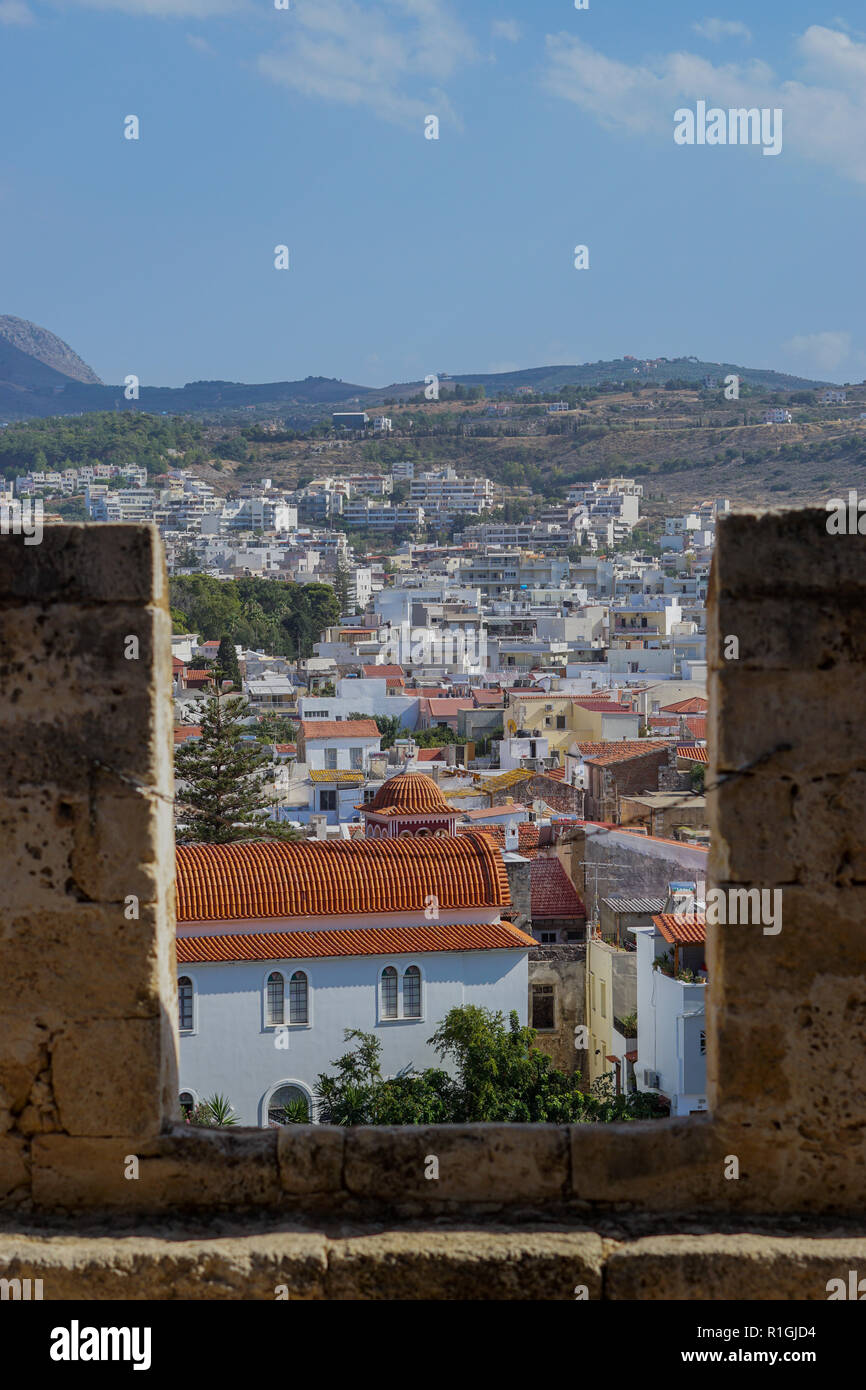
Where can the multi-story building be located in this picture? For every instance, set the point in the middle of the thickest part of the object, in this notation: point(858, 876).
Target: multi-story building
point(442, 493)
point(282, 946)
point(671, 1017)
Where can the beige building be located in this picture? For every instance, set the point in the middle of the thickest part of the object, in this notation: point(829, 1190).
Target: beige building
point(664, 814)
point(567, 719)
point(611, 1006)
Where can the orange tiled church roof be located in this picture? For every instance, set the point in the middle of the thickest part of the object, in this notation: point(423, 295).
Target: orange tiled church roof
point(412, 793)
point(320, 878)
point(370, 941)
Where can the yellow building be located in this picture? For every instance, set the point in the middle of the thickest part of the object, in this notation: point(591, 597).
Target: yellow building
point(611, 1008)
point(567, 719)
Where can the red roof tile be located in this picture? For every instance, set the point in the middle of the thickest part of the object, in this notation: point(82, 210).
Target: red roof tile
point(319, 878)
point(694, 705)
point(696, 726)
point(682, 928)
point(383, 672)
point(527, 833)
point(620, 752)
point(553, 893)
point(187, 731)
point(409, 793)
point(693, 753)
point(429, 755)
point(435, 707)
point(368, 941)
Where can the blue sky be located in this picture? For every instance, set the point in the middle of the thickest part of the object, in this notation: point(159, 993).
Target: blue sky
point(305, 127)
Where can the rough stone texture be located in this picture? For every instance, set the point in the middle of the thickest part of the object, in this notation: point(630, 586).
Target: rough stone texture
point(787, 1013)
point(148, 1267)
point(476, 1163)
point(311, 1158)
point(564, 967)
point(464, 1264)
point(181, 1171)
point(739, 1267)
point(526, 1263)
point(87, 991)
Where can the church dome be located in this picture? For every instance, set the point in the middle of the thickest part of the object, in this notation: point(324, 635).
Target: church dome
point(409, 794)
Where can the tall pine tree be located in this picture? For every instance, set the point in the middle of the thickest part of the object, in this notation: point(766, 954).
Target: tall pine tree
point(227, 663)
point(221, 794)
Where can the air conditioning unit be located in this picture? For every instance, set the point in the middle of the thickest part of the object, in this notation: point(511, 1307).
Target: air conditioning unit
point(650, 1079)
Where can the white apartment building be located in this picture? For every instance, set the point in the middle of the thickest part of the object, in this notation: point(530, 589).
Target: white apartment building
point(671, 1015)
point(442, 492)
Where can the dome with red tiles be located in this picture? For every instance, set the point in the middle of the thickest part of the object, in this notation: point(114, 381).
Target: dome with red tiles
point(409, 794)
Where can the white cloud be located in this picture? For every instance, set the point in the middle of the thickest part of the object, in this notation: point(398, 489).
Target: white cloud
point(15, 12)
point(825, 351)
point(389, 59)
point(199, 44)
point(506, 29)
point(166, 9)
point(824, 106)
point(717, 29)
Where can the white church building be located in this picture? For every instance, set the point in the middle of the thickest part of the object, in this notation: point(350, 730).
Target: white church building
point(281, 946)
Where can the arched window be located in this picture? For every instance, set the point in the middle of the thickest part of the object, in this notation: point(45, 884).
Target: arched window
point(389, 992)
point(187, 1102)
point(276, 1000)
point(185, 1004)
point(443, 834)
point(299, 1010)
point(412, 992)
point(424, 830)
point(293, 1097)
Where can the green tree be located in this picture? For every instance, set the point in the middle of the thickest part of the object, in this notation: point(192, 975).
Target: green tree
point(497, 1075)
point(221, 795)
point(341, 585)
point(276, 728)
point(186, 557)
point(227, 662)
point(436, 737)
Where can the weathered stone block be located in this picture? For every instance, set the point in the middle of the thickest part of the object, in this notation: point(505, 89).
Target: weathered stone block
point(461, 1264)
point(737, 1267)
point(163, 1266)
point(311, 1158)
point(108, 1075)
point(188, 1168)
point(83, 564)
point(83, 962)
point(14, 1168)
point(478, 1163)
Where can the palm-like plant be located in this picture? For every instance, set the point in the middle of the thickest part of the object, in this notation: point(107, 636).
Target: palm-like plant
point(296, 1113)
point(214, 1113)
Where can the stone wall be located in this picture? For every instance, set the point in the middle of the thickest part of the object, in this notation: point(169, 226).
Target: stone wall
point(611, 781)
point(563, 967)
point(87, 994)
point(646, 865)
point(89, 1038)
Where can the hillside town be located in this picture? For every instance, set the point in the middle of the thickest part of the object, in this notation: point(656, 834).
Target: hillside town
point(489, 772)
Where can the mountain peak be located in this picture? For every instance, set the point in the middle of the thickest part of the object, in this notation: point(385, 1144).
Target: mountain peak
point(45, 347)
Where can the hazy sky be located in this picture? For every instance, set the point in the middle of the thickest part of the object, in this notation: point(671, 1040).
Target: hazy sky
point(305, 127)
